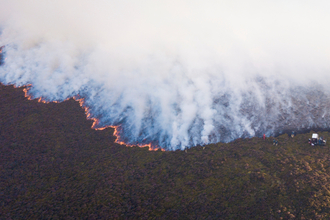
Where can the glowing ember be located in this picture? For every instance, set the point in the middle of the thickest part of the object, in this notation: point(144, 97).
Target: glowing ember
point(95, 120)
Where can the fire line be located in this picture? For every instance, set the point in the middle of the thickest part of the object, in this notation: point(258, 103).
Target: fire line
point(116, 132)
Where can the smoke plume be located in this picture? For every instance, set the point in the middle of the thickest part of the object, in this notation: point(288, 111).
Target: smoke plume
point(175, 73)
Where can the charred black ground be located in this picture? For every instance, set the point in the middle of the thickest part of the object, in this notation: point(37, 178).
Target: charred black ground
point(54, 166)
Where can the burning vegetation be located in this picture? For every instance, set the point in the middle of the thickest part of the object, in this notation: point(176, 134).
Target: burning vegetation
point(95, 124)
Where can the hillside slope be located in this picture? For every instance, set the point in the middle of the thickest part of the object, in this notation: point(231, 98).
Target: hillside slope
point(54, 166)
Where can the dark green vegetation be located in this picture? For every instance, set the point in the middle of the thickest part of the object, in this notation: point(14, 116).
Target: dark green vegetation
point(54, 166)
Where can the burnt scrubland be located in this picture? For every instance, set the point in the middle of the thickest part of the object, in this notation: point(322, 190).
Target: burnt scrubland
point(54, 166)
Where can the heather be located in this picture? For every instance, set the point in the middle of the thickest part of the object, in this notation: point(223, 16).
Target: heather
point(54, 166)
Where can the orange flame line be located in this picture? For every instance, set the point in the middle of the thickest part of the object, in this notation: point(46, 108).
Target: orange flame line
point(95, 120)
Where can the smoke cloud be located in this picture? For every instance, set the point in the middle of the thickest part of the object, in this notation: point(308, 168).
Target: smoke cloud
point(175, 73)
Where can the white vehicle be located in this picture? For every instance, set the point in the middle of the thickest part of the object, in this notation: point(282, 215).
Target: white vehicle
point(316, 140)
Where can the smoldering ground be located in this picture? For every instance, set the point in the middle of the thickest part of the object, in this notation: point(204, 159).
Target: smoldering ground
point(175, 73)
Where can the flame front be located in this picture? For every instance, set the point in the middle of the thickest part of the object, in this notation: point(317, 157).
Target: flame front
point(95, 120)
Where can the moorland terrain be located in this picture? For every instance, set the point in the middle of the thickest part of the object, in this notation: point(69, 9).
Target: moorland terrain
point(54, 166)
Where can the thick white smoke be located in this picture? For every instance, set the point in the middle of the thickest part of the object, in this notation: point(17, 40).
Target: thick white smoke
point(175, 73)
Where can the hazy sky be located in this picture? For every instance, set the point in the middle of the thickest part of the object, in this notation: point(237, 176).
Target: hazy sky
point(262, 33)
